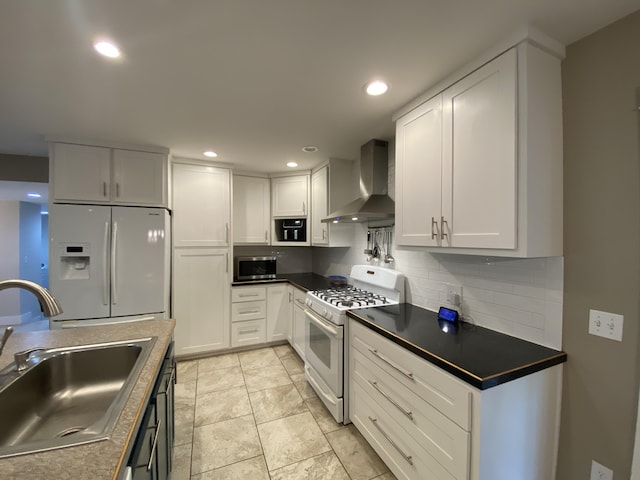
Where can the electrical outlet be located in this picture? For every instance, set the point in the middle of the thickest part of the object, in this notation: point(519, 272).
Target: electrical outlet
point(605, 324)
point(600, 472)
point(454, 294)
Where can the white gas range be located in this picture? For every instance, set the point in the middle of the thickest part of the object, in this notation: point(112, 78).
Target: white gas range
point(325, 321)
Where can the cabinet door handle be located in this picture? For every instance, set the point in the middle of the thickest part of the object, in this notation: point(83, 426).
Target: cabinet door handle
point(393, 444)
point(304, 208)
point(434, 232)
point(324, 232)
point(227, 232)
point(104, 189)
point(266, 235)
point(290, 299)
point(407, 413)
point(404, 372)
point(154, 446)
point(443, 232)
point(226, 262)
point(118, 189)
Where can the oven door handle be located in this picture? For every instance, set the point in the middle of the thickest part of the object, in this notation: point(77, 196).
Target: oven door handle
point(320, 323)
point(317, 388)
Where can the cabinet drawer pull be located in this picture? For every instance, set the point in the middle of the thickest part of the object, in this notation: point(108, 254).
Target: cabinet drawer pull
point(393, 444)
point(247, 330)
point(248, 312)
point(434, 232)
point(407, 413)
point(243, 295)
point(153, 447)
point(301, 302)
point(406, 373)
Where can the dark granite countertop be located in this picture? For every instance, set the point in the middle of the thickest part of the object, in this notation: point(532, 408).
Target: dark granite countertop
point(305, 281)
point(481, 357)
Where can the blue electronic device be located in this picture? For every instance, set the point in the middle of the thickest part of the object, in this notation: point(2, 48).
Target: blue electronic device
point(448, 315)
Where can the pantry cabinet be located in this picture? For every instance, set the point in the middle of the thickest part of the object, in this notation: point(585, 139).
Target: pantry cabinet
point(202, 205)
point(201, 257)
point(251, 210)
point(278, 312)
point(330, 189)
point(96, 174)
point(479, 164)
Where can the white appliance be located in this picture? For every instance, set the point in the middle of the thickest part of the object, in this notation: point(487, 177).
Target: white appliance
point(108, 264)
point(325, 323)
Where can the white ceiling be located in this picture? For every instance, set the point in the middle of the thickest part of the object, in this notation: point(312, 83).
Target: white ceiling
point(254, 80)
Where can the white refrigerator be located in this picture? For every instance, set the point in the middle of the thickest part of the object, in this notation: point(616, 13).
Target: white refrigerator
point(108, 264)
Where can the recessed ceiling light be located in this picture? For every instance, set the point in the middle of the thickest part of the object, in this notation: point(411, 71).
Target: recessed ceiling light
point(376, 87)
point(310, 149)
point(210, 154)
point(33, 195)
point(107, 49)
point(354, 218)
point(292, 164)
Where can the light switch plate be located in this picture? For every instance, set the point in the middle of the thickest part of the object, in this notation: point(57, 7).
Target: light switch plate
point(605, 324)
point(600, 472)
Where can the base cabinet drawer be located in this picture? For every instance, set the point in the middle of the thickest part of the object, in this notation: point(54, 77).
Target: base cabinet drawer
point(396, 447)
point(447, 394)
point(436, 434)
point(249, 332)
point(248, 294)
point(248, 311)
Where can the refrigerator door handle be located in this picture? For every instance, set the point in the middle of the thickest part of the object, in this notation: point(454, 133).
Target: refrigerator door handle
point(114, 249)
point(105, 278)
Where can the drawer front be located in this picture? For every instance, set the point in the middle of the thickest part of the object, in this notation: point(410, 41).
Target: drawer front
point(241, 312)
point(442, 438)
point(248, 294)
point(299, 296)
point(249, 332)
point(405, 458)
point(444, 392)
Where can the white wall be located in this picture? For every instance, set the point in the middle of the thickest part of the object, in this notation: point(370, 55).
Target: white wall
point(9, 266)
point(30, 257)
point(520, 297)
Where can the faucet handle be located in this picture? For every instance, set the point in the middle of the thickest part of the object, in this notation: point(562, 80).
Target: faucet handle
point(7, 333)
point(22, 358)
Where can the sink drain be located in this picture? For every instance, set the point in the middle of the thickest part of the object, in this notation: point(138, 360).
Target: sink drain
point(69, 431)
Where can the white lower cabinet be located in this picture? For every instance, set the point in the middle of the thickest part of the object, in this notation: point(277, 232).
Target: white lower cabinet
point(427, 424)
point(201, 299)
point(278, 312)
point(297, 326)
point(248, 316)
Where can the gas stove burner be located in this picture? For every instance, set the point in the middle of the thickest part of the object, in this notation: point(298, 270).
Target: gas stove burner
point(351, 297)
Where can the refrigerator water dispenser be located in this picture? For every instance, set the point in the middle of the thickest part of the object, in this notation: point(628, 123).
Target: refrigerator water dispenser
point(75, 261)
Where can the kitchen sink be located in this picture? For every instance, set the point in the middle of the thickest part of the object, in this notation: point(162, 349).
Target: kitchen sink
point(68, 396)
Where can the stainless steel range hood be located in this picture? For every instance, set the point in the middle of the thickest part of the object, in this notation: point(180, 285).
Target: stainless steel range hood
point(374, 204)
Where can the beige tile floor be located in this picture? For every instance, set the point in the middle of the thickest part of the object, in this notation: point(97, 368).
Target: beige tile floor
point(252, 415)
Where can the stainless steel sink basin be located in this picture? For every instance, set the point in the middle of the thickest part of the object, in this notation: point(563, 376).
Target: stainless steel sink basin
point(68, 396)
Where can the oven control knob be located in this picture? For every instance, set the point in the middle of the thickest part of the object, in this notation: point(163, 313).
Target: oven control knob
point(308, 302)
point(328, 315)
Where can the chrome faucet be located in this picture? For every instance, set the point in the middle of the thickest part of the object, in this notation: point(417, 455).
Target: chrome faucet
point(49, 304)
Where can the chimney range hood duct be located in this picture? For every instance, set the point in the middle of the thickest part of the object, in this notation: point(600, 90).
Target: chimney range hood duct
point(375, 204)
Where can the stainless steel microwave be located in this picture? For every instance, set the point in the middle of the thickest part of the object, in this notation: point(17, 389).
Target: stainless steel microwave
point(254, 268)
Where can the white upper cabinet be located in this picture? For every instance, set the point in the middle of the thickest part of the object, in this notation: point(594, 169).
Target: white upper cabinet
point(479, 157)
point(139, 177)
point(479, 165)
point(290, 196)
point(251, 210)
point(419, 174)
point(330, 189)
point(97, 174)
point(201, 203)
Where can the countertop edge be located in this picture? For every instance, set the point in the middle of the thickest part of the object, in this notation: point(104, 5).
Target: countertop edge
point(481, 383)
